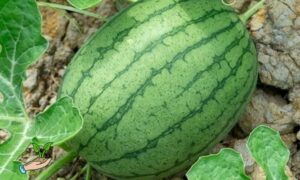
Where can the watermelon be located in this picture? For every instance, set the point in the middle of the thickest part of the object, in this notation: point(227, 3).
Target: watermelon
point(160, 84)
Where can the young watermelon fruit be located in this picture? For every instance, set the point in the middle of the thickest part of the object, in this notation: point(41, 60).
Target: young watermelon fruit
point(159, 85)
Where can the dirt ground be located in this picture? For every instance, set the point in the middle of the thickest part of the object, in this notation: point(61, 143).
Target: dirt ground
point(276, 102)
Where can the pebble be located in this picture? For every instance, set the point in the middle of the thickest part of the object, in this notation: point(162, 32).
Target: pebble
point(258, 173)
point(32, 77)
point(298, 135)
point(290, 141)
point(296, 164)
point(268, 109)
point(240, 146)
point(273, 28)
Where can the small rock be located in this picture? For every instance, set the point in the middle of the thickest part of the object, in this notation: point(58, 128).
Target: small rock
point(278, 43)
point(43, 102)
point(61, 72)
point(277, 69)
point(298, 135)
point(240, 146)
point(289, 173)
point(297, 117)
point(268, 109)
point(258, 173)
point(63, 53)
point(297, 23)
point(290, 141)
point(73, 36)
point(240, 5)
point(294, 94)
point(53, 100)
point(54, 23)
point(258, 20)
point(295, 166)
point(31, 81)
point(294, 97)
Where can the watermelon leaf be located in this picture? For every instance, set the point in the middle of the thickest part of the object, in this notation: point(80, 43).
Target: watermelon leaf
point(52, 125)
point(265, 146)
point(57, 124)
point(227, 164)
point(80, 4)
point(269, 151)
point(22, 44)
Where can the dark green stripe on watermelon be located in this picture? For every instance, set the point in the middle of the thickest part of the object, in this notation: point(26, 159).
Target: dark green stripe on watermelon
point(160, 84)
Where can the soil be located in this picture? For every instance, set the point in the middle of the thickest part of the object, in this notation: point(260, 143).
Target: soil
point(276, 102)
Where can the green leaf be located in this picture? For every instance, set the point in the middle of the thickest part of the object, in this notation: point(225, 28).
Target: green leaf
point(35, 141)
point(269, 151)
point(36, 147)
point(80, 4)
point(47, 146)
point(22, 44)
point(58, 123)
point(226, 165)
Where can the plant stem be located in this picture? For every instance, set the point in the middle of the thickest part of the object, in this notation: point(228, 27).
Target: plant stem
point(46, 174)
point(250, 12)
point(42, 154)
point(88, 172)
point(69, 8)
